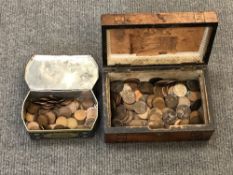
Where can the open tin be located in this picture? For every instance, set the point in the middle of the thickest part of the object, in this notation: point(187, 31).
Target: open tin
point(61, 77)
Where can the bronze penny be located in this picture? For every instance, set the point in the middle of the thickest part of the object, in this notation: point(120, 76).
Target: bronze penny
point(51, 117)
point(165, 82)
point(155, 116)
point(89, 122)
point(184, 101)
point(66, 102)
point(143, 97)
point(195, 118)
point(133, 86)
point(138, 123)
point(196, 105)
point(116, 122)
point(72, 106)
point(155, 124)
point(129, 106)
point(87, 103)
point(43, 121)
point(64, 111)
point(154, 80)
point(120, 112)
point(131, 115)
point(193, 85)
point(140, 107)
point(171, 90)
point(149, 100)
point(158, 91)
point(180, 90)
point(165, 91)
point(128, 96)
point(116, 86)
point(132, 80)
point(116, 97)
point(155, 111)
point(72, 123)
point(146, 87)
point(184, 122)
point(158, 102)
point(33, 108)
point(171, 101)
point(92, 112)
point(80, 116)
point(183, 112)
point(33, 126)
point(138, 95)
point(194, 95)
point(29, 117)
point(57, 126)
point(169, 116)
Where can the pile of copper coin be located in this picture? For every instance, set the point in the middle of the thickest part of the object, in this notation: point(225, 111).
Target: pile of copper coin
point(157, 103)
point(49, 113)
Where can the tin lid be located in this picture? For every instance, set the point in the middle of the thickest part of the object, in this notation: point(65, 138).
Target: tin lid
point(141, 39)
point(53, 72)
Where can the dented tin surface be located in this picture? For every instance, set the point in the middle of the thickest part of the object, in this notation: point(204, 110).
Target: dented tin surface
point(61, 77)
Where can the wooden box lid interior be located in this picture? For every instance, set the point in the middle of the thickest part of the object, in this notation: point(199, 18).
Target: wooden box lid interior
point(158, 39)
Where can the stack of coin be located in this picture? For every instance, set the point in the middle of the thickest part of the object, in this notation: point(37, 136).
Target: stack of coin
point(48, 113)
point(158, 103)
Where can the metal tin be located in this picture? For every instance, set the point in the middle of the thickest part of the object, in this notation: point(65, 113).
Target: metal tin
point(61, 76)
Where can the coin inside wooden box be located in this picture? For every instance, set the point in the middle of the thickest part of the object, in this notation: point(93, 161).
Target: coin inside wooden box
point(61, 102)
point(154, 78)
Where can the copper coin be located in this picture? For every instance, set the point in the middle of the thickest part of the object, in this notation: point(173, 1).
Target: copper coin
point(184, 101)
point(57, 126)
point(183, 112)
point(64, 111)
point(29, 117)
point(193, 95)
point(169, 116)
point(80, 116)
point(146, 87)
point(184, 122)
point(195, 118)
point(138, 95)
point(155, 111)
point(120, 112)
point(87, 103)
point(116, 97)
point(165, 91)
point(33, 108)
point(51, 117)
point(43, 121)
point(143, 97)
point(133, 86)
point(171, 101)
point(132, 80)
point(131, 115)
point(33, 126)
point(165, 82)
point(128, 96)
point(144, 115)
point(193, 85)
point(171, 90)
point(72, 106)
point(158, 102)
point(66, 102)
point(92, 112)
point(89, 122)
point(196, 105)
point(155, 124)
point(72, 123)
point(154, 80)
point(140, 107)
point(155, 116)
point(138, 123)
point(129, 106)
point(116, 86)
point(116, 122)
point(180, 90)
point(157, 90)
point(149, 100)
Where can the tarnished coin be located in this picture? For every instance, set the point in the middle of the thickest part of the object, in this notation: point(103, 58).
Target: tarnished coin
point(116, 97)
point(116, 86)
point(165, 82)
point(158, 91)
point(80, 116)
point(51, 117)
point(183, 112)
point(154, 111)
point(64, 111)
point(143, 97)
point(184, 122)
point(120, 112)
point(184, 101)
point(133, 83)
point(89, 122)
point(169, 116)
point(87, 103)
point(138, 123)
point(196, 105)
point(193, 85)
point(117, 122)
point(195, 118)
point(158, 102)
point(138, 95)
point(72, 106)
point(193, 95)
point(180, 90)
point(33, 126)
point(165, 90)
point(29, 117)
point(140, 107)
point(155, 116)
point(61, 120)
point(43, 121)
point(129, 106)
point(58, 126)
point(128, 96)
point(132, 80)
point(146, 87)
point(72, 123)
point(171, 101)
point(92, 112)
point(144, 115)
point(131, 115)
point(171, 90)
point(155, 124)
point(149, 100)
point(33, 108)
point(66, 102)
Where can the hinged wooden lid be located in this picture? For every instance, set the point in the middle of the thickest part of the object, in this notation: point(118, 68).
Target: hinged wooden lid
point(141, 39)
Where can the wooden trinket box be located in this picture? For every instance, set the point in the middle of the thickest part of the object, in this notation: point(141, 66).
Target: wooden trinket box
point(155, 76)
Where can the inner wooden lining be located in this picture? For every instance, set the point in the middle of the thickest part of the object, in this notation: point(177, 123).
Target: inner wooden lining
point(180, 75)
point(156, 45)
